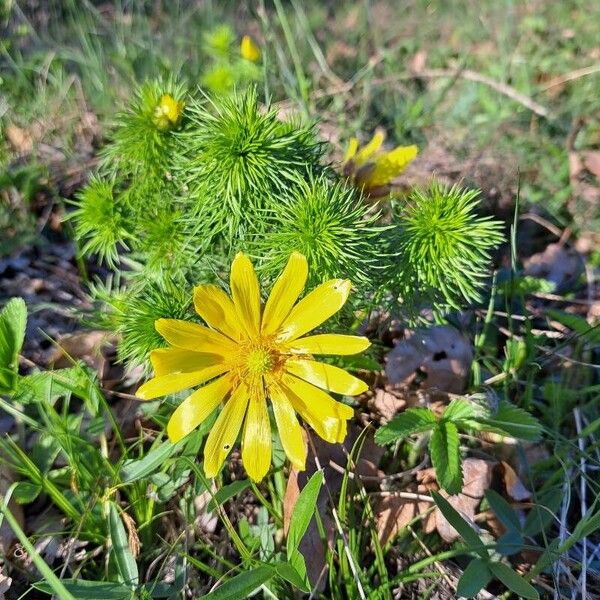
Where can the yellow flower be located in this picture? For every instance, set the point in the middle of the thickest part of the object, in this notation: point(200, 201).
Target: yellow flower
point(167, 113)
point(249, 50)
point(247, 355)
point(374, 170)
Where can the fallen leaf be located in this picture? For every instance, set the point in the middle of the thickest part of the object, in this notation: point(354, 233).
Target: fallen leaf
point(19, 139)
point(556, 263)
point(394, 512)
point(477, 475)
point(515, 488)
point(386, 403)
point(591, 160)
point(441, 354)
point(417, 62)
point(5, 583)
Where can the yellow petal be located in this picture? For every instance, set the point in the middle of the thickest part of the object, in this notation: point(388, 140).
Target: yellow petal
point(169, 384)
point(197, 407)
point(285, 292)
point(216, 308)
point(316, 307)
point(249, 50)
point(330, 343)
point(290, 432)
point(326, 376)
point(351, 150)
point(179, 360)
point(391, 164)
point(246, 293)
point(192, 336)
point(365, 154)
point(326, 416)
point(223, 435)
point(256, 442)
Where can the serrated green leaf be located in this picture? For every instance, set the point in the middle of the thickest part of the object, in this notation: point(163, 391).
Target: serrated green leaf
point(241, 586)
point(473, 541)
point(409, 422)
point(445, 456)
point(460, 409)
point(126, 564)
point(474, 578)
point(514, 582)
point(513, 421)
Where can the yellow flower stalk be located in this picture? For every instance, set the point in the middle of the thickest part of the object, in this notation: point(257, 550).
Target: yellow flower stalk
point(248, 356)
point(373, 169)
point(168, 112)
point(249, 50)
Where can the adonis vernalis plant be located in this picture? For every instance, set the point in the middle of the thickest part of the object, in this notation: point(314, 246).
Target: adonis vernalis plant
point(246, 355)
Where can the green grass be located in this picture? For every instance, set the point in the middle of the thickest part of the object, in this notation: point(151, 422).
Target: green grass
point(354, 66)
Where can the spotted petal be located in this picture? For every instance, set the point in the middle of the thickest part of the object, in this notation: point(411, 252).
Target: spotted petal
point(225, 431)
point(256, 441)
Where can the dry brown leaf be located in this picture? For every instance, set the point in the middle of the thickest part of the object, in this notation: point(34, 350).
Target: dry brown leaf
point(442, 354)
point(394, 513)
point(5, 583)
point(386, 404)
point(477, 476)
point(84, 345)
point(19, 139)
point(591, 161)
point(512, 483)
point(556, 263)
point(417, 62)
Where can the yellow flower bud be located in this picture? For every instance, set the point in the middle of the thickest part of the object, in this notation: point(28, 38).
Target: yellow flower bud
point(249, 50)
point(168, 112)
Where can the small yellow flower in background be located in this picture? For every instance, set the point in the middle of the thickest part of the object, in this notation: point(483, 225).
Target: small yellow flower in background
point(251, 355)
point(373, 169)
point(167, 113)
point(249, 50)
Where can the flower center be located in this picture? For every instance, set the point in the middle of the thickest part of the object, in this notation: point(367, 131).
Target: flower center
point(259, 361)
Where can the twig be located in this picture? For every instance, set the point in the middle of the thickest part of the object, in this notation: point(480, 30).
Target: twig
point(582, 498)
point(572, 76)
point(338, 526)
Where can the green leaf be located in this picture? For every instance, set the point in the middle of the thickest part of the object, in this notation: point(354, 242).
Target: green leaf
point(409, 422)
point(126, 564)
point(445, 456)
point(136, 469)
point(514, 582)
point(513, 421)
point(460, 409)
point(26, 492)
point(473, 541)
point(227, 492)
point(301, 515)
point(503, 510)
point(83, 589)
point(13, 320)
point(287, 572)
point(241, 586)
point(577, 324)
point(474, 578)
point(303, 511)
